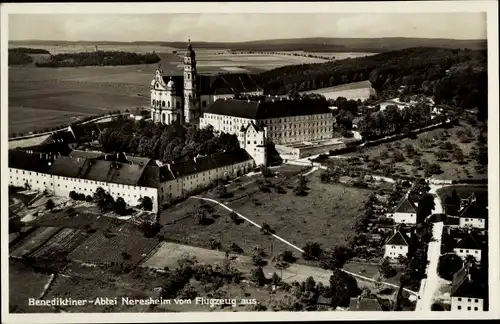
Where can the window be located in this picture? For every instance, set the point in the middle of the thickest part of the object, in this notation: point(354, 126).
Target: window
point(459, 299)
point(468, 308)
point(476, 300)
point(469, 300)
point(476, 253)
point(461, 251)
point(459, 307)
point(475, 308)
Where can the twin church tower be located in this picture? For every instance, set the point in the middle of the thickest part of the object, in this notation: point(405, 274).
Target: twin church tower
point(173, 99)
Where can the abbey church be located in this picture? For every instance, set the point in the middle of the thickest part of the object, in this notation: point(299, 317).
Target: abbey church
point(183, 97)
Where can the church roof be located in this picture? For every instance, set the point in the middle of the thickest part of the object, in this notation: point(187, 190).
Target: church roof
point(216, 84)
point(268, 109)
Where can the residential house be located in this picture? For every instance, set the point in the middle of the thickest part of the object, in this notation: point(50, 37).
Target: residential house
point(405, 212)
point(468, 292)
point(397, 245)
point(469, 245)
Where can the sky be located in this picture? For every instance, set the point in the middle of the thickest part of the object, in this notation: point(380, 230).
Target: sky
point(243, 27)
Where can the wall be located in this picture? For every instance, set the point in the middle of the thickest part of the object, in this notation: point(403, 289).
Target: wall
point(406, 218)
point(300, 128)
point(226, 124)
point(394, 251)
point(37, 180)
point(466, 304)
point(472, 222)
point(463, 253)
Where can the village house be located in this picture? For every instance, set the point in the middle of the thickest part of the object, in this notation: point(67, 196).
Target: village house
point(397, 245)
point(405, 212)
point(468, 245)
point(468, 292)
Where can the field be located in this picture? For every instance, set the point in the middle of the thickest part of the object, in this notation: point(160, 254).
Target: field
point(33, 241)
point(325, 215)
point(61, 244)
point(354, 90)
point(113, 249)
point(49, 97)
point(427, 145)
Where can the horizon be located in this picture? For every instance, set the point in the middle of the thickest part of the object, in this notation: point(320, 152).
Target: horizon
point(243, 27)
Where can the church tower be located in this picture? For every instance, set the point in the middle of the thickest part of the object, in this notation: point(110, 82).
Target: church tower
point(191, 99)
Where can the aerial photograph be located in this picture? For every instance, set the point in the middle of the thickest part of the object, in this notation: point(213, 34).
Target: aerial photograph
point(247, 162)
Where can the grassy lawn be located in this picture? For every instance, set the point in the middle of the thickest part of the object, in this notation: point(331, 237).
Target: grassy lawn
point(426, 146)
point(370, 270)
point(325, 215)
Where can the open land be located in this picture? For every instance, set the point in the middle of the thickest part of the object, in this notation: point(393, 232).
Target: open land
point(49, 97)
point(351, 91)
point(326, 215)
point(426, 145)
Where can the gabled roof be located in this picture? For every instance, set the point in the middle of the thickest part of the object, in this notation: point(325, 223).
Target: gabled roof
point(364, 304)
point(256, 127)
point(268, 109)
point(406, 206)
point(60, 137)
point(472, 210)
point(85, 154)
point(469, 242)
point(36, 162)
point(399, 239)
point(466, 283)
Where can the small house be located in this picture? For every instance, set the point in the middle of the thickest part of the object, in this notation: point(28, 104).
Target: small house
point(405, 212)
point(397, 245)
point(468, 292)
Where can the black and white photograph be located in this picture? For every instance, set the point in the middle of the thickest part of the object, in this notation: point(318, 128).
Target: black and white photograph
point(177, 161)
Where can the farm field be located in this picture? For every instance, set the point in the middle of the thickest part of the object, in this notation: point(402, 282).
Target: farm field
point(352, 91)
point(61, 244)
point(326, 215)
point(427, 146)
point(33, 241)
point(101, 248)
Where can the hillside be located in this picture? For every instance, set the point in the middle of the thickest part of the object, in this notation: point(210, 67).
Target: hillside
point(319, 44)
point(454, 77)
point(21, 55)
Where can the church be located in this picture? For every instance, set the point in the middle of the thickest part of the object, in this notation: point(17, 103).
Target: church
point(182, 97)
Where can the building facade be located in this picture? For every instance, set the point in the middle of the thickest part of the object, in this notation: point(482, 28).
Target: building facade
point(397, 246)
point(405, 212)
point(127, 177)
point(181, 98)
point(468, 291)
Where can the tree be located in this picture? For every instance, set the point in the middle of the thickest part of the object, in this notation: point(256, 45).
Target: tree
point(258, 256)
point(50, 204)
point(145, 203)
point(425, 206)
point(312, 251)
point(257, 276)
point(310, 284)
point(301, 189)
point(343, 286)
point(281, 265)
point(287, 256)
point(120, 206)
point(266, 172)
point(386, 269)
point(448, 265)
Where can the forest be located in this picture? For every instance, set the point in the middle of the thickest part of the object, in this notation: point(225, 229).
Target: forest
point(99, 58)
point(19, 55)
point(455, 77)
point(168, 143)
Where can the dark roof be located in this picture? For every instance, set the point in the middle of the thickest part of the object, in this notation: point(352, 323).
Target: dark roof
point(216, 84)
point(406, 206)
point(38, 162)
point(469, 242)
point(467, 284)
point(473, 210)
point(451, 221)
point(86, 132)
point(209, 162)
point(60, 137)
point(268, 109)
point(256, 127)
point(398, 239)
point(364, 304)
point(65, 166)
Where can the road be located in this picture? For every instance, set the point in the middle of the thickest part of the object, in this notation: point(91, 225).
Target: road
point(431, 283)
point(298, 274)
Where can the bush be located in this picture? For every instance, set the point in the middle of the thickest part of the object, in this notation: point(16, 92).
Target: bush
point(50, 204)
point(236, 248)
point(448, 265)
point(312, 251)
point(266, 172)
point(288, 256)
point(257, 276)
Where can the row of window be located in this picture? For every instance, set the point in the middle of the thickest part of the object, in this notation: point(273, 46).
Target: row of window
point(473, 219)
point(468, 308)
point(307, 131)
point(467, 251)
point(298, 126)
point(469, 300)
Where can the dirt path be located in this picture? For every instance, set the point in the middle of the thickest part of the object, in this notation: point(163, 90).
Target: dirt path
point(299, 249)
point(431, 283)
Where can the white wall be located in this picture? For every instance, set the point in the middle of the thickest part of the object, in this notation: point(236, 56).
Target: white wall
point(466, 304)
point(223, 123)
point(37, 180)
point(406, 218)
point(463, 253)
point(472, 222)
point(300, 128)
point(394, 251)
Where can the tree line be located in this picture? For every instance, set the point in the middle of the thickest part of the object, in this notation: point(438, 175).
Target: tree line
point(453, 76)
point(168, 143)
point(99, 58)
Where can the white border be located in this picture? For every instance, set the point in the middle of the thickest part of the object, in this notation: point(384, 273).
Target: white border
point(310, 7)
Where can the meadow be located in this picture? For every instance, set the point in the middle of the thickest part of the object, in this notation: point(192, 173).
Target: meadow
point(351, 91)
point(48, 97)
